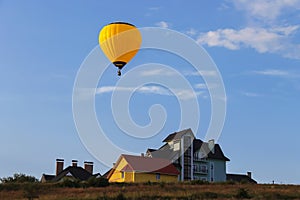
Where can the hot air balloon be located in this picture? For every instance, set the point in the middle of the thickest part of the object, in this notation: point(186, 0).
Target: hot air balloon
point(120, 41)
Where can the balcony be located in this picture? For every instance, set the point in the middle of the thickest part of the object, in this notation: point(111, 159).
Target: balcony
point(201, 171)
point(199, 159)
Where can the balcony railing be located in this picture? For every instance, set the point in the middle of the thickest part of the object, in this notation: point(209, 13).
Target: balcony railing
point(199, 159)
point(201, 171)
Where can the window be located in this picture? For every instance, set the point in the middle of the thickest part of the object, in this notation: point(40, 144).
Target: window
point(122, 174)
point(203, 168)
point(157, 176)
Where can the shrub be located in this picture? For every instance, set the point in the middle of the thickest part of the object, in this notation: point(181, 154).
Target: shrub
point(242, 193)
point(19, 178)
point(199, 182)
point(120, 197)
point(31, 191)
point(97, 182)
point(71, 183)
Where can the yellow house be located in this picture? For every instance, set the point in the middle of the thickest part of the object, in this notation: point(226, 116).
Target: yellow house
point(131, 168)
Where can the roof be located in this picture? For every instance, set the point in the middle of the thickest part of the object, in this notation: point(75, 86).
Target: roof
point(76, 172)
point(176, 135)
point(218, 153)
point(149, 165)
point(48, 177)
point(105, 175)
point(240, 178)
point(151, 150)
point(166, 152)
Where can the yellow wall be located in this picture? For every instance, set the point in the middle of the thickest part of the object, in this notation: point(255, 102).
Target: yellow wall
point(117, 174)
point(138, 177)
point(145, 177)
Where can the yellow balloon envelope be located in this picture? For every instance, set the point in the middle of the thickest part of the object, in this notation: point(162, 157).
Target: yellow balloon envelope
point(120, 42)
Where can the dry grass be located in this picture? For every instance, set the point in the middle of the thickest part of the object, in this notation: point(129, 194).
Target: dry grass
point(161, 191)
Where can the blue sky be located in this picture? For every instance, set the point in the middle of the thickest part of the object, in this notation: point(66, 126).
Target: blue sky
point(255, 45)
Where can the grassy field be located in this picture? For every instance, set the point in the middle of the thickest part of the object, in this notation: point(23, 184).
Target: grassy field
point(153, 191)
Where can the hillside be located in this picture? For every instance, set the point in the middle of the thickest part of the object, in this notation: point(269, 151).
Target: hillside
point(152, 191)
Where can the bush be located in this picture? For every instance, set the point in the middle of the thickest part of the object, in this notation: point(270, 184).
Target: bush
point(70, 183)
point(243, 194)
point(31, 191)
point(19, 178)
point(120, 197)
point(199, 182)
point(97, 182)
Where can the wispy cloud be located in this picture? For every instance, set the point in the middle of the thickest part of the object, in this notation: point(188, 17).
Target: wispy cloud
point(201, 73)
point(277, 73)
point(164, 72)
point(272, 72)
point(266, 9)
point(200, 86)
point(155, 8)
point(163, 24)
point(265, 30)
point(158, 72)
point(183, 94)
point(263, 40)
point(191, 32)
point(251, 94)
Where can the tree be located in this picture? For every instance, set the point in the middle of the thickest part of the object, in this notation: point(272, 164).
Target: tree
point(19, 178)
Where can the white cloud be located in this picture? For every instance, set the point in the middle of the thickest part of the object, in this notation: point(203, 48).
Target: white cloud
point(271, 40)
point(278, 73)
point(183, 94)
point(191, 32)
point(265, 10)
point(164, 72)
point(251, 94)
point(200, 86)
point(272, 72)
point(158, 72)
point(163, 24)
point(154, 8)
point(201, 73)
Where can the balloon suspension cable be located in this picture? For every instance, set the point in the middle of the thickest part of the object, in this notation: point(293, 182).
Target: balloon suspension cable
point(119, 72)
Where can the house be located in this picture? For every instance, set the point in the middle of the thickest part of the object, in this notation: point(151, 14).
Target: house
point(241, 178)
point(71, 172)
point(195, 159)
point(130, 168)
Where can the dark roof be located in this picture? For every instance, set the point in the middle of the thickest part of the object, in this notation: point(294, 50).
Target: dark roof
point(218, 153)
point(151, 150)
point(76, 172)
point(240, 178)
point(165, 152)
point(106, 173)
point(176, 135)
point(48, 177)
point(147, 164)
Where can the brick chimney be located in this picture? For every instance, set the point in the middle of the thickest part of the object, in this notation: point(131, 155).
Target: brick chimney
point(74, 163)
point(59, 165)
point(249, 174)
point(88, 166)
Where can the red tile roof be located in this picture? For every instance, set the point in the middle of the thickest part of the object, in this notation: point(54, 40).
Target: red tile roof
point(149, 165)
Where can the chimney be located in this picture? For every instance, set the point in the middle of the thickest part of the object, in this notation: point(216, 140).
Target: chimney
point(88, 166)
point(74, 163)
point(59, 165)
point(249, 174)
point(211, 145)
